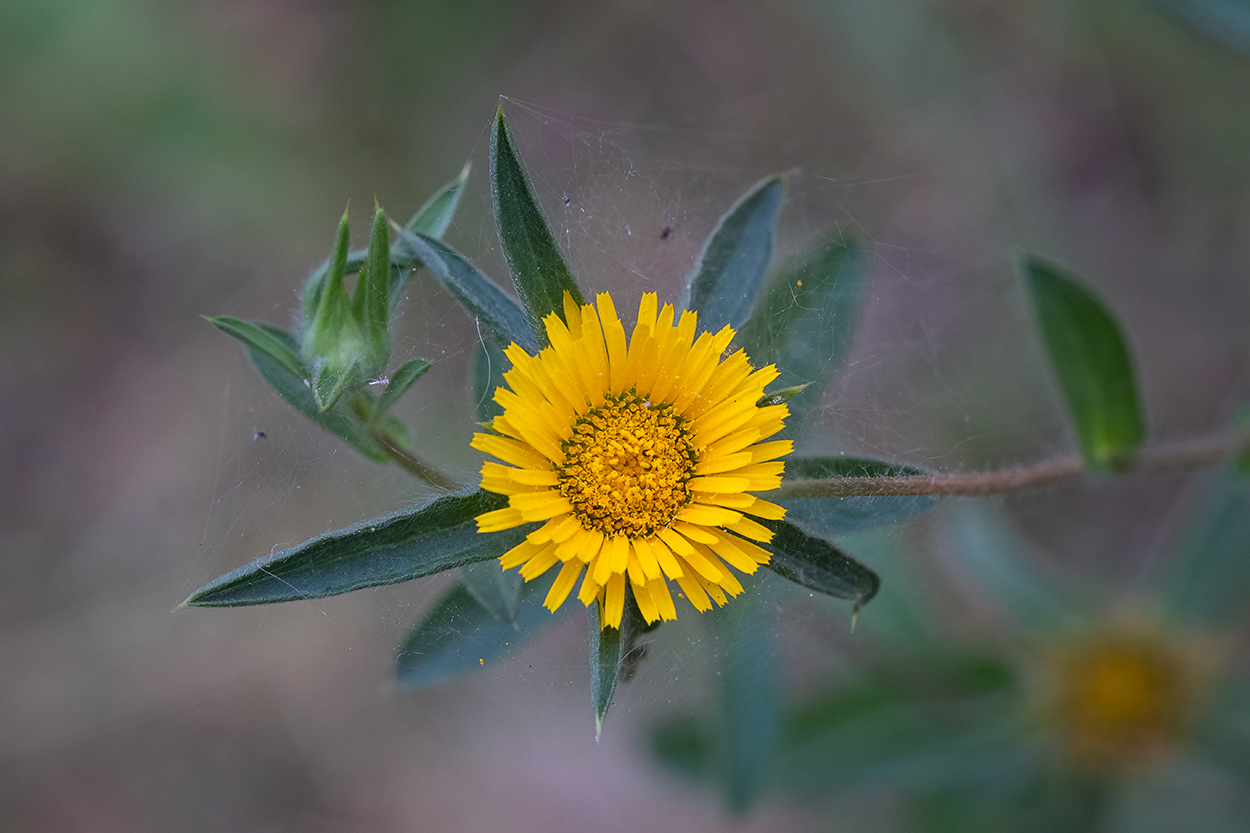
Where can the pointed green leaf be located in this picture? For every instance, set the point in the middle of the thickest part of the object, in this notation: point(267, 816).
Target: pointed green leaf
point(607, 650)
point(330, 272)
point(496, 590)
point(298, 394)
point(460, 635)
point(818, 565)
point(539, 273)
point(725, 281)
point(476, 293)
point(750, 697)
point(1092, 361)
point(433, 218)
point(372, 297)
point(409, 372)
point(264, 341)
point(840, 516)
point(438, 536)
point(488, 373)
point(805, 322)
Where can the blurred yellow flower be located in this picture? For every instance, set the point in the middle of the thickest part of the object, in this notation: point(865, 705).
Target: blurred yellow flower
point(1122, 698)
point(638, 456)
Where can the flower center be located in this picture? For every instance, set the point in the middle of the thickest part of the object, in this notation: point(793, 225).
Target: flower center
point(1122, 701)
point(627, 466)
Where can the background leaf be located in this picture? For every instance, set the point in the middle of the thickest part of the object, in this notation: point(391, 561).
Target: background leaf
point(805, 322)
point(538, 269)
point(840, 516)
point(459, 635)
point(496, 590)
point(983, 550)
point(438, 536)
point(818, 565)
point(727, 277)
point(480, 297)
point(1091, 360)
point(750, 696)
point(1206, 579)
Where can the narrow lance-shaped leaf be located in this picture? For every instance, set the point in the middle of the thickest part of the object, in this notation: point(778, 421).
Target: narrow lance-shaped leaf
point(480, 297)
point(750, 697)
point(438, 536)
point(607, 649)
point(264, 341)
point(408, 372)
point(725, 281)
point(805, 321)
point(460, 635)
point(843, 515)
point(432, 220)
point(613, 655)
point(818, 565)
point(538, 269)
point(331, 272)
point(435, 216)
point(1091, 360)
point(371, 302)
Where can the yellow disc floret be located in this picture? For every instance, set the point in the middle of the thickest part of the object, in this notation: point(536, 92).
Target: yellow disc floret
point(628, 466)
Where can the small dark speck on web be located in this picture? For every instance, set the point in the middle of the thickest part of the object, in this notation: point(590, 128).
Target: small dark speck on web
point(259, 435)
point(667, 233)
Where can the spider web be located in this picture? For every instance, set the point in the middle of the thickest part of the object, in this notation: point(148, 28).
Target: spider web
point(943, 371)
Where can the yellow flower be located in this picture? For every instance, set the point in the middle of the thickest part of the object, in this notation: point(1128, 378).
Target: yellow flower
point(1121, 699)
point(638, 457)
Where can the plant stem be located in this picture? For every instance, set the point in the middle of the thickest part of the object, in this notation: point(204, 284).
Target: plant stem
point(1176, 457)
point(410, 463)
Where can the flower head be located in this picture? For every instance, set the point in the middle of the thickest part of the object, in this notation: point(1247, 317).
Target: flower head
point(639, 457)
point(1122, 698)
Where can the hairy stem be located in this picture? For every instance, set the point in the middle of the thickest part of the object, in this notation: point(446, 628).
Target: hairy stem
point(1177, 457)
point(410, 463)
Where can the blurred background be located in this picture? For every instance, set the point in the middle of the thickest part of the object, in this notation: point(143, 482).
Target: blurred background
point(162, 161)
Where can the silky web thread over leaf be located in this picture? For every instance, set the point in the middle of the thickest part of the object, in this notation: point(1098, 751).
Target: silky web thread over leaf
point(727, 277)
point(805, 321)
point(438, 536)
point(1092, 362)
point(538, 269)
